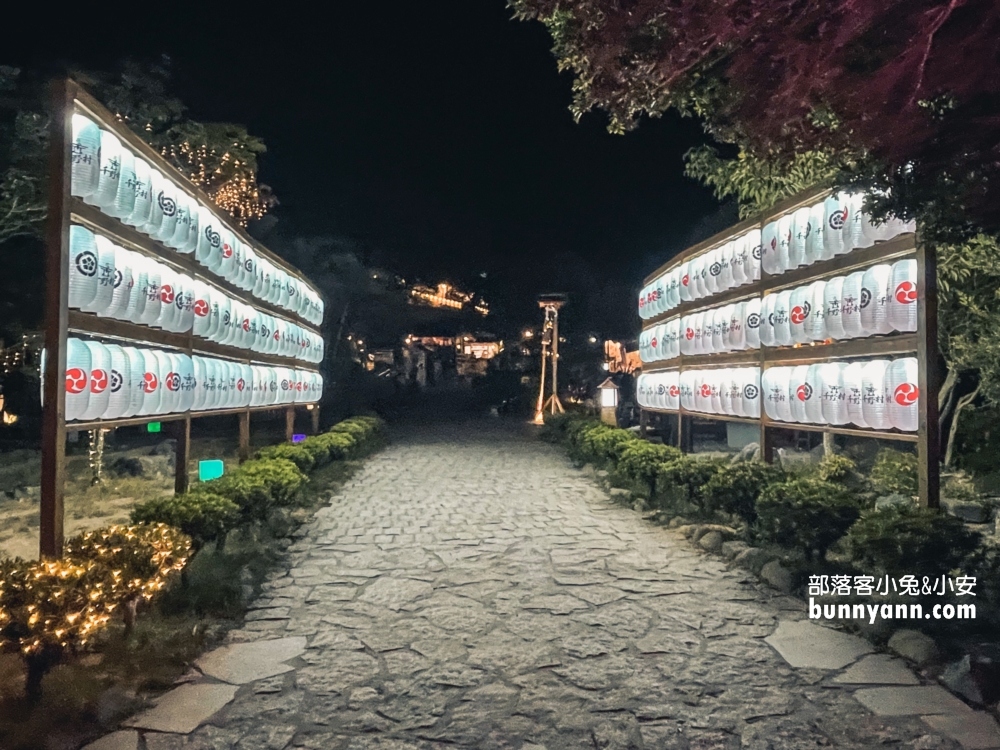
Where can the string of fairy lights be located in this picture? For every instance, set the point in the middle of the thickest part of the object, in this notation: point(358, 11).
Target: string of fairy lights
point(238, 194)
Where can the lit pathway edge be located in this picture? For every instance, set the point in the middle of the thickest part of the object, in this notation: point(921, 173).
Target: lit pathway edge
point(470, 588)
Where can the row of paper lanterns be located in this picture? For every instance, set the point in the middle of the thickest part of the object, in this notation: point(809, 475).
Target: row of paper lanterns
point(113, 282)
point(878, 394)
point(107, 381)
point(732, 391)
point(106, 174)
point(808, 235)
point(877, 301)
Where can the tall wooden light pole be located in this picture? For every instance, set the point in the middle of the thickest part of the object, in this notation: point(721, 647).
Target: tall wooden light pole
point(550, 303)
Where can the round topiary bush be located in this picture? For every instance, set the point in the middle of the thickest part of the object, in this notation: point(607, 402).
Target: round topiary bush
point(679, 484)
point(734, 489)
point(639, 463)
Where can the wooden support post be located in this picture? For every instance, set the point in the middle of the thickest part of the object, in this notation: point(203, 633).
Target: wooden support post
point(766, 443)
point(643, 422)
point(182, 433)
point(244, 449)
point(928, 381)
point(53, 475)
point(679, 435)
point(314, 413)
point(289, 423)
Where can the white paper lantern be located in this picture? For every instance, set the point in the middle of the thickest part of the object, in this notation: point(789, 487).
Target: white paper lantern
point(168, 293)
point(136, 369)
point(720, 329)
point(815, 247)
point(799, 239)
point(85, 160)
point(673, 295)
point(810, 394)
point(752, 319)
point(672, 384)
point(766, 328)
point(799, 311)
point(220, 329)
point(732, 399)
point(105, 277)
point(851, 302)
point(687, 335)
point(852, 380)
point(248, 278)
point(244, 385)
point(662, 344)
point(713, 275)
point(770, 250)
point(110, 173)
point(673, 332)
point(188, 383)
point(737, 337)
point(83, 267)
point(167, 201)
point(98, 381)
point(186, 205)
point(815, 326)
point(155, 217)
point(777, 404)
point(784, 262)
point(124, 202)
point(124, 283)
point(782, 322)
point(227, 261)
point(256, 391)
point(875, 300)
point(643, 312)
point(833, 320)
point(238, 249)
point(186, 305)
point(903, 296)
point(687, 386)
point(695, 280)
point(702, 343)
point(684, 290)
point(223, 388)
point(836, 211)
point(873, 398)
point(170, 379)
point(198, 393)
point(751, 392)
point(834, 395)
point(902, 391)
point(854, 236)
point(702, 392)
point(738, 266)
point(143, 194)
point(78, 367)
point(202, 309)
point(208, 251)
point(190, 243)
point(800, 393)
point(755, 251)
point(286, 289)
point(211, 383)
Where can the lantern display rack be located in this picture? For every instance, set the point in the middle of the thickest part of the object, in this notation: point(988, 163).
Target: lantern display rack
point(91, 324)
point(899, 326)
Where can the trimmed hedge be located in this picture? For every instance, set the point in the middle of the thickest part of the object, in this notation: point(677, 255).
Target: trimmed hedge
point(297, 453)
point(204, 516)
point(639, 463)
point(807, 514)
point(735, 489)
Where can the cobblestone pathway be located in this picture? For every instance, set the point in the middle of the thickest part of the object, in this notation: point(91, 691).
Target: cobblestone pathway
point(470, 588)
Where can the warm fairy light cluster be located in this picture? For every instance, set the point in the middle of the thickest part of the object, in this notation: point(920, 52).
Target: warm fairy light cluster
point(60, 604)
point(445, 295)
point(231, 184)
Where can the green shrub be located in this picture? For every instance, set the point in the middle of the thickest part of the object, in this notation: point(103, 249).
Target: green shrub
point(603, 444)
point(806, 514)
point(679, 484)
point(260, 485)
point(836, 468)
point(554, 428)
point(204, 516)
point(905, 539)
point(639, 463)
point(366, 431)
point(735, 488)
point(317, 449)
point(895, 472)
point(576, 435)
point(294, 452)
point(338, 445)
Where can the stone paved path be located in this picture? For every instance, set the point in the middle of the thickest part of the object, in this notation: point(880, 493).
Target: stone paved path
point(469, 588)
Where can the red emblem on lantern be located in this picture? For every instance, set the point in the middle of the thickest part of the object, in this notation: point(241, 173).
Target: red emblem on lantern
point(76, 380)
point(98, 381)
point(689, 334)
point(173, 381)
point(706, 390)
point(166, 294)
point(906, 292)
point(240, 384)
point(803, 392)
point(200, 308)
point(906, 394)
point(149, 382)
point(227, 250)
point(675, 391)
point(798, 315)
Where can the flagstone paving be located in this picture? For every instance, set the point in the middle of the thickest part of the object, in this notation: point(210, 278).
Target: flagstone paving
point(469, 588)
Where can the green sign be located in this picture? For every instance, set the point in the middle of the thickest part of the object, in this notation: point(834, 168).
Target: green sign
point(212, 469)
point(153, 427)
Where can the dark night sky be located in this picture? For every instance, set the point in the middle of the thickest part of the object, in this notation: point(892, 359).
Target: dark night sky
point(436, 133)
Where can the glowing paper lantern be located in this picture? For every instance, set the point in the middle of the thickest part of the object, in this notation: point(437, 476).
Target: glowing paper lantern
point(833, 395)
point(752, 318)
point(873, 398)
point(143, 189)
point(185, 304)
point(684, 291)
point(110, 173)
point(687, 385)
point(105, 274)
point(122, 287)
point(185, 206)
point(702, 343)
point(730, 400)
point(166, 201)
point(766, 329)
point(852, 381)
point(237, 260)
point(83, 266)
point(720, 329)
point(799, 241)
point(227, 261)
point(782, 322)
point(198, 393)
point(815, 248)
point(98, 382)
point(202, 309)
point(902, 393)
point(673, 331)
point(168, 293)
point(662, 344)
point(854, 236)
point(213, 383)
point(124, 202)
point(220, 331)
point(168, 365)
point(755, 251)
point(208, 251)
point(737, 336)
point(809, 394)
point(837, 213)
point(738, 260)
point(671, 378)
point(875, 300)
point(815, 326)
point(696, 282)
point(643, 312)
point(799, 392)
point(78, 367)
point(86, 157)
point(903, 296)
point(702, 392)
point(673, 295)
point(189, 244)
point(136, 369)
point(832, 319)
point(713, 272)
point(155, 220)
point(784, 261)
point(770, 252)
point(185, 371)
point(750, 378)
point(248, 277)
point(851, 302)
point(799, 311)
point(244, 385)
point(687, 335)
point(777, 404)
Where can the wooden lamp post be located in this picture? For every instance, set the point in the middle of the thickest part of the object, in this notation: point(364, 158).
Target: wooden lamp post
point(550, 303)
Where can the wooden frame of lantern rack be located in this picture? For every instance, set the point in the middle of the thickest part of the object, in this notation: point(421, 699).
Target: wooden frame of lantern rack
point(64, 209)
point(922, 344)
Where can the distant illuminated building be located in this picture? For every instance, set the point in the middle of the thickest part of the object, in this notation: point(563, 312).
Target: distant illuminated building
point(445, 295)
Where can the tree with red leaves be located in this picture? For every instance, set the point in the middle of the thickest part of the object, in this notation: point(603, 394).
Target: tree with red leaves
point(901, 93)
